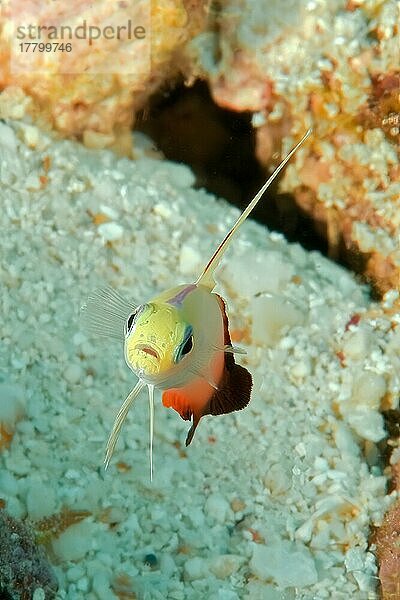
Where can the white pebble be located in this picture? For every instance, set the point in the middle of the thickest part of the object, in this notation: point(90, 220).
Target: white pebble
point(18, 363)
point(111, 231)
point(110, 212)
point(257, 590)
point(354, 559)
point(101, 585)
point(217, 507)
point(73, 373)
point(40, 501)
point(189, 260)
point(224, 594)
point(39, 594)
point(195, 568)
point(162, 210)
point(321, 464)
point(270, 315)
point(75, 542)
point(345, 440)
point(287, 563)
point(301, 369)
point(83, 584)
point(300, 449)
point(12, 403)
point(75, 573)
point(252, 273)
point(32, 182)
point(357, 343)
point(167, 565)
point(7, 135)
point(368, 390)
point(277, 480)
point(79, 338)
point(15, 508)
point(8, 483)
point(304, 532)
point(224, 565)
point(368, 424)
point(30, 135)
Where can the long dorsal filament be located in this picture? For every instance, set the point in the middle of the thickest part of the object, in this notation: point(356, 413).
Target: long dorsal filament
point(207, 276)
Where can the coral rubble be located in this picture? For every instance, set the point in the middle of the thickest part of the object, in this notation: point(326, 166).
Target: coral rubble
point(25, 572)
point(92, 92)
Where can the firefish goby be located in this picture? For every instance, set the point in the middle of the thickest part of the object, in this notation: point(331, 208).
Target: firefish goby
point(179, 343)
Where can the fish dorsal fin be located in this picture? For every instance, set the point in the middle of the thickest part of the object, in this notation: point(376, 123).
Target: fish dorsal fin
point(207, 276)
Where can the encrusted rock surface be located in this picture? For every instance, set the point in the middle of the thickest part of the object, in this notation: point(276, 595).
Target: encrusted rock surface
point(25, 573)
point(333, 66)
point(93, 92)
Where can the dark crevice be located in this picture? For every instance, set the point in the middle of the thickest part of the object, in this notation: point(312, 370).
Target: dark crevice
point(219, 146)
point(187, 126)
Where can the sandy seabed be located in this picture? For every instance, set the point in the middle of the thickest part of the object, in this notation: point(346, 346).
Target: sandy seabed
point(272, 503)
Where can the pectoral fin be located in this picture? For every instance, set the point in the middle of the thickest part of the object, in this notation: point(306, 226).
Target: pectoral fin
point(177, 399)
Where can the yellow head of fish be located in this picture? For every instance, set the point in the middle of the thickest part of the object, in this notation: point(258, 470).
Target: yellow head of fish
point(156, 340)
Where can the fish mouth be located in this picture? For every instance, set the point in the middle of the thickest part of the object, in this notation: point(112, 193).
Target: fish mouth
point(148, 350)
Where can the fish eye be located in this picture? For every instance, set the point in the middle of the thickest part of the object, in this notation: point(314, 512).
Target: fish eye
point(131, 320)
point(186, 346)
